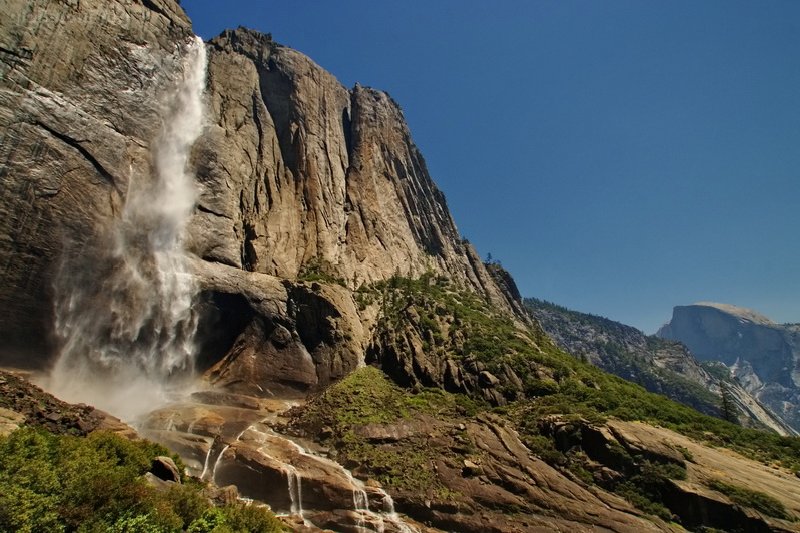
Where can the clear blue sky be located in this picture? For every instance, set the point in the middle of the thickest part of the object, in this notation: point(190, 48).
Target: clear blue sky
point(618, 157)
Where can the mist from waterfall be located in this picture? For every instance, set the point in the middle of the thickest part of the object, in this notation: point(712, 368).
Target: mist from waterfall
point(124, 312)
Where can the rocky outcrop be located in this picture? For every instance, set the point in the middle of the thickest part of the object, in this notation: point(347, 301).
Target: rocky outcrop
point(22, 403)
point(660, 365)
point(275, 335)
point(618, 450)
point(763, 356)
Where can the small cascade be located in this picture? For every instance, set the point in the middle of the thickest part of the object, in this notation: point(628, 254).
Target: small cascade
point(224, 449)
point(360, 505)
point(295, 490)
point(379, 519)
point(216, 463)
point(274, 469)
point(205, 463)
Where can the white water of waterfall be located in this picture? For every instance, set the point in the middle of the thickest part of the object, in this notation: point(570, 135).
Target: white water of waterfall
point(219, 457)
point(360, 506)
point(205, 462)
point(124, 312)
point(216, 463)
point(295, 490)
point(377, 519)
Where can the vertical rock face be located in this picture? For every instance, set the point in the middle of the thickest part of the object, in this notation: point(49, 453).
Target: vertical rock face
point(763, 356)
point(296, 174)
point(299, 174)
point(79, 86)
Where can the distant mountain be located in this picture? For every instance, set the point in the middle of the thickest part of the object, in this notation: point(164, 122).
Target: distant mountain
point(660, 365)
point(762, 355)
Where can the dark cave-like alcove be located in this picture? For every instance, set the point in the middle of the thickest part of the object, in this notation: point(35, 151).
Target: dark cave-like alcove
point(223, 317)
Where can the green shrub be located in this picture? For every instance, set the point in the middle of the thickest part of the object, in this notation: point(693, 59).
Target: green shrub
point(212, 521)
point(751, 498)
point(251, 519)
point(142, 523)
point(63, 483)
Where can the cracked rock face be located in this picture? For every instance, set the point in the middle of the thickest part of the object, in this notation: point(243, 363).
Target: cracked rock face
point(300, 173)
point(79, 93)
point(295, 172)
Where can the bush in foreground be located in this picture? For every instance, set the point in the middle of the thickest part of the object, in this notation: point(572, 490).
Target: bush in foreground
point(62, 483)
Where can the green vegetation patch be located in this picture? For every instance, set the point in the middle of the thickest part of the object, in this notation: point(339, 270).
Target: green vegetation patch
point(63, 483)
point(457, 324)
point(462, 325)
point(754, 499)
point(365, 398)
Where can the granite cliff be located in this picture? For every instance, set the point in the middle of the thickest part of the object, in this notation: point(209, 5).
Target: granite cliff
point(298, 178)
point(764, 357)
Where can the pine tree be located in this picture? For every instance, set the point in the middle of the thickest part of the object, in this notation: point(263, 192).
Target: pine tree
point(728, 407)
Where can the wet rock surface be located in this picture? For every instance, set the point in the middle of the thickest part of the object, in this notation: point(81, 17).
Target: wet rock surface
point(230, 440)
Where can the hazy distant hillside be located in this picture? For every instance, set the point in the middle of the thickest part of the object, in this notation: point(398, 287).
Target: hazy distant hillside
point(763, 356)
point(660, 365)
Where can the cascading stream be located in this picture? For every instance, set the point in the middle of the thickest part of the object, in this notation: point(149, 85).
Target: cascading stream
point(295, 490)
point(380, 519)
point(125, 314)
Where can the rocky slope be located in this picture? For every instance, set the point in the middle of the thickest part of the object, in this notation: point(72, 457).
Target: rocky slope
point(22, 403)
point(763, 356)
point(662, 366)
point(459, 468)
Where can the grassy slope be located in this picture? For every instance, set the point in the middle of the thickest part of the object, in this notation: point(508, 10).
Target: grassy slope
point(554, 383)
point(574, 387)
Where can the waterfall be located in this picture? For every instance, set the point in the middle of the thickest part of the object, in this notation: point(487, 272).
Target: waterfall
point(217, 462)
point(124, 313)
point(295, 490)
point(205, 462)
point(360, 505)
